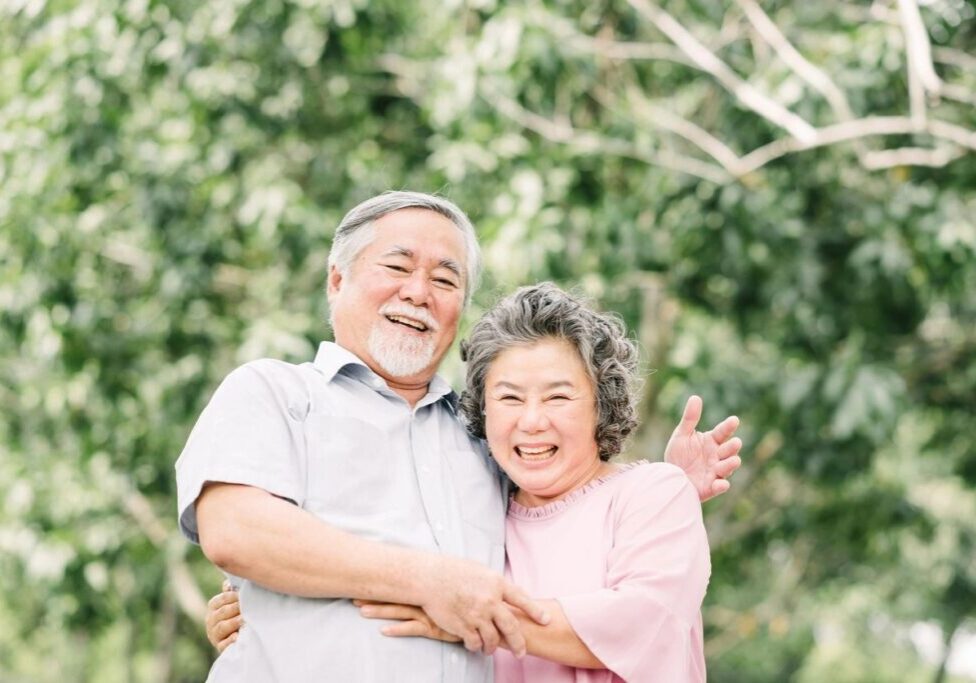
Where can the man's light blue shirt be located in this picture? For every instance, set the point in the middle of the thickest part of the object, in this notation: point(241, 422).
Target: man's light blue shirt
point(333, 438)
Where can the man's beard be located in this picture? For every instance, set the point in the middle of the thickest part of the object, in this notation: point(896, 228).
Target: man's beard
point(400, 355)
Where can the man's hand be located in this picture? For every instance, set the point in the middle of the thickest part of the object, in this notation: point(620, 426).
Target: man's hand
point(708, 458)
point(224, 618)
point(472, 602)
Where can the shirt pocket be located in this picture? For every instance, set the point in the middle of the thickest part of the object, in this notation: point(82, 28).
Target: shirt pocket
point(352, 472)
point(478, 493)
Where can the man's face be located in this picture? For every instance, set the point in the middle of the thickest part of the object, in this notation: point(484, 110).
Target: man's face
point(397, 307)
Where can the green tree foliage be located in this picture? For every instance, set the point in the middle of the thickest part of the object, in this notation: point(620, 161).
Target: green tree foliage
point(170, 174)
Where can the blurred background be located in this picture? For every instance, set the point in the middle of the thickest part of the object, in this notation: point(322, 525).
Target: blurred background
point(780, 198)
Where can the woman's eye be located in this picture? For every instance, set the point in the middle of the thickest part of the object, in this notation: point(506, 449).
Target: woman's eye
point(558, 397)
point(508, 398)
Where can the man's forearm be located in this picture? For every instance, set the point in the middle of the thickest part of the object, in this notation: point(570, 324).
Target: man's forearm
point(250, 533)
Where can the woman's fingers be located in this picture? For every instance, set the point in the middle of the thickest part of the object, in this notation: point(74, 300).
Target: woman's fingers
point(392, 611)
point(223, 618)
point(725, 468)
point(720, 486)
point(221, 599)
point(227, 628)
point(406, 629)
point(730, 448)
point(222, 645)
point(690, 416)
point(725, 429)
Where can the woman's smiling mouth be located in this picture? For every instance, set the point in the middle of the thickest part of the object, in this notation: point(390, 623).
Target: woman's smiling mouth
point(536, 453)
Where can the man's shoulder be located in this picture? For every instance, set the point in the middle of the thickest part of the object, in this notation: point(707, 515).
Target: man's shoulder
point(269, 376)
point(272, 369)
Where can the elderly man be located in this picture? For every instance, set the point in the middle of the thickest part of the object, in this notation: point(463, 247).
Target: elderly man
point(351, 477)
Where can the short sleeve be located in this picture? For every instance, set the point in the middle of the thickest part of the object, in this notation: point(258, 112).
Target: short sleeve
point(250, 433)
point(646, 624)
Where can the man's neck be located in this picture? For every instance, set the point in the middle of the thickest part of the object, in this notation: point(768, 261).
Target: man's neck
point(408, 391)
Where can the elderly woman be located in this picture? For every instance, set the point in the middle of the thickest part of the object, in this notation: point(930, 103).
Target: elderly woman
point(616, 552)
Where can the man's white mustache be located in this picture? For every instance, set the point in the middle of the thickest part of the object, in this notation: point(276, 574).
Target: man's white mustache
point(408, 311)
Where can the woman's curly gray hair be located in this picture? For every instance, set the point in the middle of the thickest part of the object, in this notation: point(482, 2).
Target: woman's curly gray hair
point(545, 311)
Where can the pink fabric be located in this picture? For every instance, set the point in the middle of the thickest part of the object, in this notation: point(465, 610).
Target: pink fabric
point(627, 559)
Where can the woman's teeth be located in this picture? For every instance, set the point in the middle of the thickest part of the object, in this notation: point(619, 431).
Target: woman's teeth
point(540, 453)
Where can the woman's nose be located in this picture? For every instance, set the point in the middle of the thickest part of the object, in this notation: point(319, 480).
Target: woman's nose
point(533, 417)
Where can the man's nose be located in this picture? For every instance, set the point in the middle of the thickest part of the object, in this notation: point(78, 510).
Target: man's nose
point(415, 289)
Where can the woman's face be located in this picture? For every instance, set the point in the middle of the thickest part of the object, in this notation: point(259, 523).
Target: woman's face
point(540, 420)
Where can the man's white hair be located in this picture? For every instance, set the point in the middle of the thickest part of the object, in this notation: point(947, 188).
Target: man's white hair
point(357, 230)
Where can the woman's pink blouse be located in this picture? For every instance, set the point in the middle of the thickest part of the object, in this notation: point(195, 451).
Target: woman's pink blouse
point(627, 558)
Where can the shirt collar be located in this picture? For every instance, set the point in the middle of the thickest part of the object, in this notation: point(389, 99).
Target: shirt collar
point(331, 359)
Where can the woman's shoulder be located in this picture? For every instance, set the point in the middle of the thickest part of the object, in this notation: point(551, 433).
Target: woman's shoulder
point(646, 485)
point(643, 473)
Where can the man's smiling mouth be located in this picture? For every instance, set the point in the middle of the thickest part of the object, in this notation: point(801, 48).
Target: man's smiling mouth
point(407, 322)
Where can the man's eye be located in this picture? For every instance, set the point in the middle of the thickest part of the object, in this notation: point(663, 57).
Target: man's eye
point(394, 267)
point(444, 282)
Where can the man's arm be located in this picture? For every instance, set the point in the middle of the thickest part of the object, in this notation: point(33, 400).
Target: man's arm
point(250, 533)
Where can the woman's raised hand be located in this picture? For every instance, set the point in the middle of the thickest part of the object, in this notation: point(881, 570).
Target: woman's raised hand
point(708, 458)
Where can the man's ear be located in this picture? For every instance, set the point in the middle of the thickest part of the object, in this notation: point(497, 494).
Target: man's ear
point(333, 284)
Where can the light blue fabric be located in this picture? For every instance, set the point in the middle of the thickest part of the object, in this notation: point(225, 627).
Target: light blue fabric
point(334, 439)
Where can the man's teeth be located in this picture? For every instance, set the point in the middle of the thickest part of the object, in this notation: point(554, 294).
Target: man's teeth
point(409, 322)
point(537, 453)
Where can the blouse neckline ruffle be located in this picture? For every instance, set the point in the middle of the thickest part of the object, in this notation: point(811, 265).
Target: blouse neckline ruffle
point(520, 511)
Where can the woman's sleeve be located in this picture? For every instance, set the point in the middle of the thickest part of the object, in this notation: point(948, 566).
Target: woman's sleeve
point(646, 624)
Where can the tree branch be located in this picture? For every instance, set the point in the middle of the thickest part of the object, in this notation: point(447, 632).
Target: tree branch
point(815, 77)
point(556, 131)
point(853, 130)
point(657, 116)
point(707, 61)
point(567, 32)
point(917, 46)
point(956, 58)
point(185, 589)
point(910, 156)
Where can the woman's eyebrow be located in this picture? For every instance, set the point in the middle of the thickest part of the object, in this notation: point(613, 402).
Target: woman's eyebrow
point(558, 384)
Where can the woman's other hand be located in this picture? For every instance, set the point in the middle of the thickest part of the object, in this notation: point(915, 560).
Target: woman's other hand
point(224, 618)
point(413, 621)
point(708, 458)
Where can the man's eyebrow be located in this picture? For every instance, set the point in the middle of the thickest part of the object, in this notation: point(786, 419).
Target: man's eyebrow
point(449, 263)
point(397, 250)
